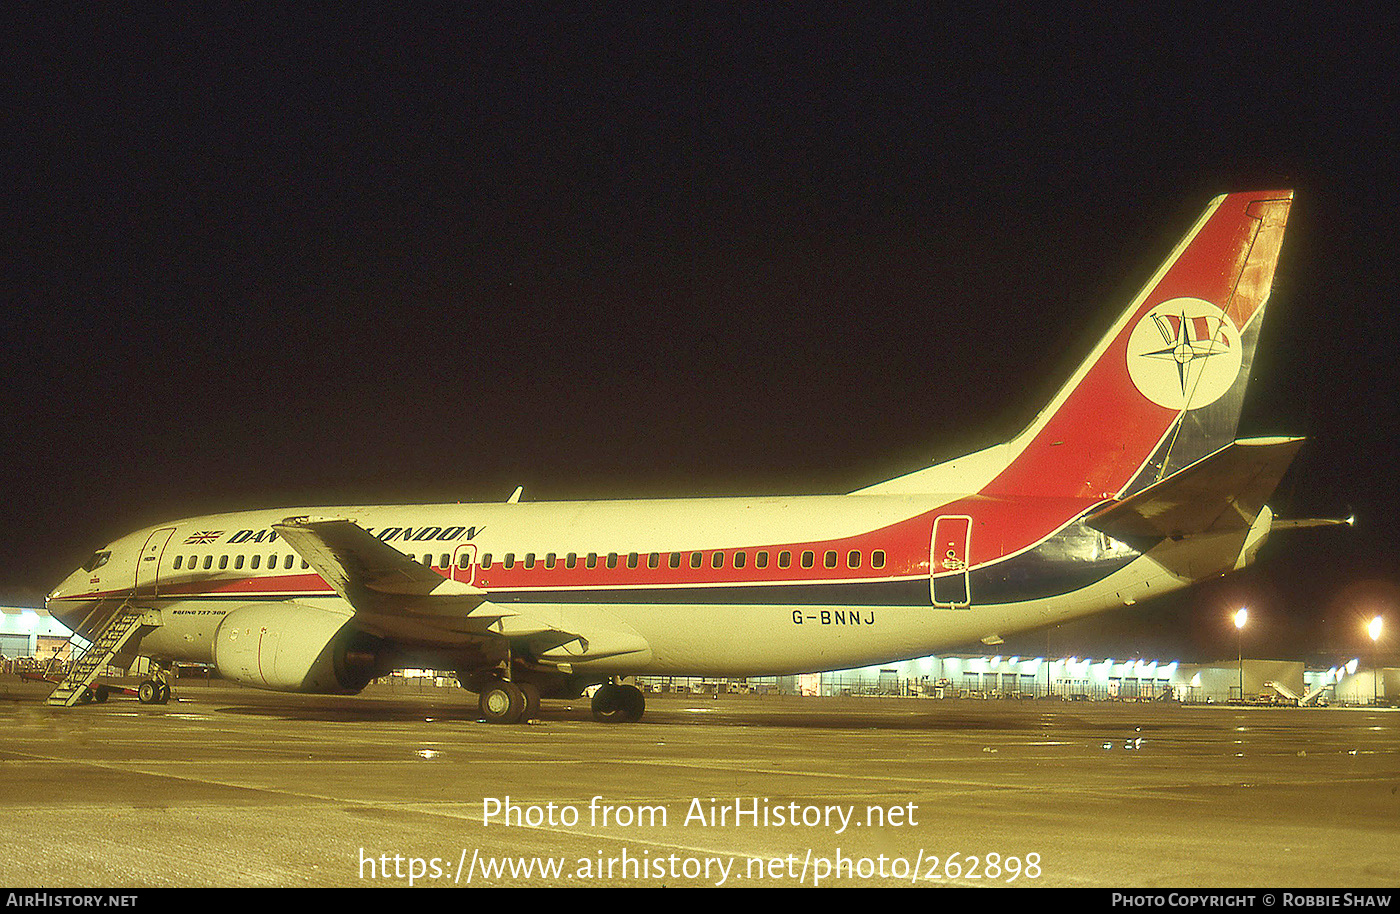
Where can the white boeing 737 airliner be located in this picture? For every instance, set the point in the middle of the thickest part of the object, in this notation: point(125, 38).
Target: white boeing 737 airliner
point(1129, 484)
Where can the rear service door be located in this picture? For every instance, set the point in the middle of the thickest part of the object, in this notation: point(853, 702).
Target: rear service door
point(948, 560)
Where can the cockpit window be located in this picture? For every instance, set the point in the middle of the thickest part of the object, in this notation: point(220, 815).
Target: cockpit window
point(97, 561)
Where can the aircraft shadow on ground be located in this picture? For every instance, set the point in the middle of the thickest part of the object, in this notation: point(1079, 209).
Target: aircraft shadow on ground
point(385, 712)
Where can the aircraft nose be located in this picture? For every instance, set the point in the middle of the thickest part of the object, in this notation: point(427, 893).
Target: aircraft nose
point(61, 602)
point(55, 608)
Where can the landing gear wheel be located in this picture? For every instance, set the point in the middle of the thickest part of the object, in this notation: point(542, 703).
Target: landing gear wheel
point(618, 704)
point(99, 694)
point(532, 701)
point(502, 703)
point(162, 693)
point(147, 692)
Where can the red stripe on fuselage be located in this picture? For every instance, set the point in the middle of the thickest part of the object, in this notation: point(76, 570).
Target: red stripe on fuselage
point(1001, 527)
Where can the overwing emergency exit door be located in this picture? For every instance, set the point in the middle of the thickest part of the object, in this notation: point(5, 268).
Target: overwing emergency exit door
point(948, 561)
point(464, 563)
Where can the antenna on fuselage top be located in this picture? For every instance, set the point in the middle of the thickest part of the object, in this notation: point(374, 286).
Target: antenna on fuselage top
point(515, 496)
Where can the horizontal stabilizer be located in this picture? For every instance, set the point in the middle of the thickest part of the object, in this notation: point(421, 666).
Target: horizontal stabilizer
point(1305, 523)
point(1224, 491)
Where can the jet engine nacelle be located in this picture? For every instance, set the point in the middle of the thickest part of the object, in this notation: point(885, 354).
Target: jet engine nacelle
point(288, 647)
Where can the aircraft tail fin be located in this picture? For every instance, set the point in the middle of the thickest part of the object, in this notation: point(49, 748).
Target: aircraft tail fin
point(1162, 389)
point(1165, 386)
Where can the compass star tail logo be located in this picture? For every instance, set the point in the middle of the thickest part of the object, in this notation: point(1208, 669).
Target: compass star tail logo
point(1184, 354)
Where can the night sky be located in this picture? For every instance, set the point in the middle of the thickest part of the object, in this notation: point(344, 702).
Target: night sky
point(351, 255)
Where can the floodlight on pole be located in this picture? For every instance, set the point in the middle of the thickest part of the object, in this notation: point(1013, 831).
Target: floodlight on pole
point(1241, 617)
point(1373, 628)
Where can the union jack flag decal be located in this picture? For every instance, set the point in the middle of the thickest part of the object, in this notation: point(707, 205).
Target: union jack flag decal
point(204, 536)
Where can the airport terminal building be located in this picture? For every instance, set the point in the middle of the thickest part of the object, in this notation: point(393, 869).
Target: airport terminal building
point(31, 634)
point(1107, 678)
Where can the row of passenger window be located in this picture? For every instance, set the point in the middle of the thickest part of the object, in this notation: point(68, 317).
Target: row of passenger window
point(255, 562)
point(830, 559)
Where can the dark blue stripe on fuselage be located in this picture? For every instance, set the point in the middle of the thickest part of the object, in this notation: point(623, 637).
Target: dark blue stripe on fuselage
point(1072, 559)
point(911, 592)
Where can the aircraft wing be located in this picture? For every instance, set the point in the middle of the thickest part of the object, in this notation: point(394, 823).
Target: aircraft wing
point(397, 597)
point(1221, 492)
point(364, 570)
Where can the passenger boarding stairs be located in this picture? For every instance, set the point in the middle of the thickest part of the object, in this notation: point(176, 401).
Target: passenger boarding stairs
point(1312, 696)
point(1284, 692)
point(107, 642)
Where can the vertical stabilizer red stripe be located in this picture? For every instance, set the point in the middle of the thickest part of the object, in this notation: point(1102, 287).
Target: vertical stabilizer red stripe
point(1106, 426)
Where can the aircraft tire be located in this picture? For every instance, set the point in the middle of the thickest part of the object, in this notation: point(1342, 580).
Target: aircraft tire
point(502, 703)
point(99, 694)
point(618, 704)
point(162, 693)
point(146, 692)
point(635, 703)
point(532, 701)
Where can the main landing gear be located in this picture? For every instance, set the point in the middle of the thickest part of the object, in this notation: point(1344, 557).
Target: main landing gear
point(618, 704)
point(503, 702)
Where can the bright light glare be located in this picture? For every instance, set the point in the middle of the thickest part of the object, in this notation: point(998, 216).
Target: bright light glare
point(1241, 617)
point(1374, 628)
